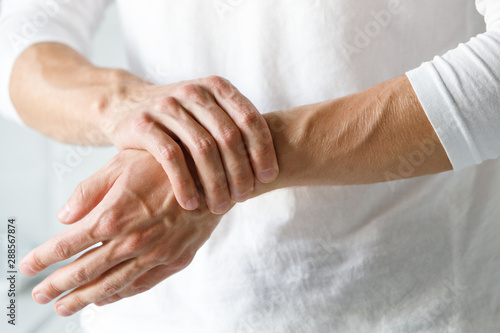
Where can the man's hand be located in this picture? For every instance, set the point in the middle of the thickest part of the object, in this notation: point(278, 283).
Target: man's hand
point(146, 236)
point(220, 128)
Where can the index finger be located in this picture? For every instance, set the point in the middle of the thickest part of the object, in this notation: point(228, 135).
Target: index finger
point(254, 129)
point(74, 239)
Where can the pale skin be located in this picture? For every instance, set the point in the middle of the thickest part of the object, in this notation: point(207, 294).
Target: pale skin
point(130, 207)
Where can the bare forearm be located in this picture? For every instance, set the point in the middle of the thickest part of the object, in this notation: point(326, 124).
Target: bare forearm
point(60, 94)
point(377, 135)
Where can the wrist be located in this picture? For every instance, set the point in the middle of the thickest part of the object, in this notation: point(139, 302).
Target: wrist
point(119, 97)
point(290, 143)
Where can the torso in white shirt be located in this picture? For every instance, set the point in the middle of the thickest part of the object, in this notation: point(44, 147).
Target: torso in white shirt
point(419, 255)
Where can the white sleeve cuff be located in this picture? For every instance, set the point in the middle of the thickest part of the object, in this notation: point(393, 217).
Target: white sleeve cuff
point(440, 109)
point(460, 93)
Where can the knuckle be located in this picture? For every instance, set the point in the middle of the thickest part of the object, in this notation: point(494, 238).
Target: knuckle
point(107, 226)
point(220, 85)
point(170, 152)
point(141, 287)
point(80, 276)
point(53, 290)
point(108, 288)
point(104, 230)
point(191, 92)
point(163, 256)
point(61, 249)
point(242, 180)
point(265, 137)
point(133, 242)
point(230, 137)
point(115, 298)
point(157, 255)
point(141, 123)
point(241, 150)
point(260, 153)
point(219, 186)
point(250, 120)
point(216, 80)
point(204, 146)
point(80, 192)
point(36, 263)
point(182, 183)
point(182, 262)
point(80, 303)
point(164, 103)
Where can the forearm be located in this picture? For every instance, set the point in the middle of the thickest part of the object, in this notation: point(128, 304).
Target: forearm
point(377, 135)
point(60, 94)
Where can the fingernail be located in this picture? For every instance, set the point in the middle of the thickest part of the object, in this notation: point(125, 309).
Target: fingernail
point(63, 311)
point(193, 203)
point(222, 208)
point(242, 197)
point(63, 213)
point(268, 175)
point(26, 270)
point(41, 299)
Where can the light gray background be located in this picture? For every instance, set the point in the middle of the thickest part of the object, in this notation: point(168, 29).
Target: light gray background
point(31, 192)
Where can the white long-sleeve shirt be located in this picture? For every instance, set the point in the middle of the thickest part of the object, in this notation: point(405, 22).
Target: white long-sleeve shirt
point(418, 255)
